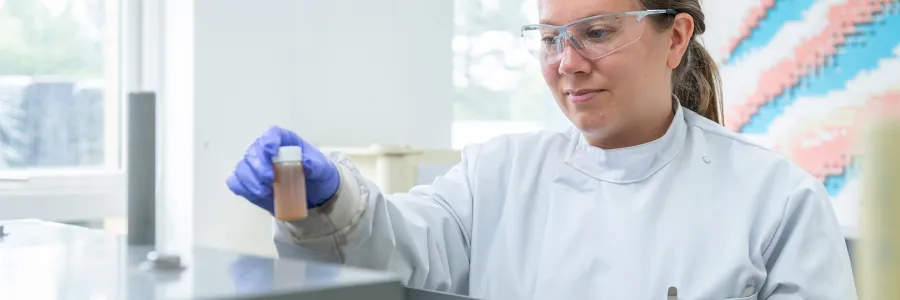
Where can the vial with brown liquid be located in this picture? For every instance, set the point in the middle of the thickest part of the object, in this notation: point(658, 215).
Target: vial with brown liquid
point(290, 184)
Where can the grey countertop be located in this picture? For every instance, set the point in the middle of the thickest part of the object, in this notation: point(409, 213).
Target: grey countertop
point(45, 260)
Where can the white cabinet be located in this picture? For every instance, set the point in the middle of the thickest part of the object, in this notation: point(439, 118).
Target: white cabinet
point(396, 169)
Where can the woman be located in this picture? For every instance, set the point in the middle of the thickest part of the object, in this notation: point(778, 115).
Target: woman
point(647, 192)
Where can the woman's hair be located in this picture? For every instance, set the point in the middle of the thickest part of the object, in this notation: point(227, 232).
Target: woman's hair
point(696, 80)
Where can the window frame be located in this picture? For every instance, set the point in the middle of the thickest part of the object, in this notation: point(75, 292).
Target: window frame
point(72, 194)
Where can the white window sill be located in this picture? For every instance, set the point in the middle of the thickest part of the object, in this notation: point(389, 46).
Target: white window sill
point(62, 195)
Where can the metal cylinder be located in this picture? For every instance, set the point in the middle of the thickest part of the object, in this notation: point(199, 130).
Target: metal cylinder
point(141, 168)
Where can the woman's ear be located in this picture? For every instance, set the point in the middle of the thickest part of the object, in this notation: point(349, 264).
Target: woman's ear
point(682, 34)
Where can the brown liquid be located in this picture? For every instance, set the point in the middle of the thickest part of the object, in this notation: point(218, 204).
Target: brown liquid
point(290, 191)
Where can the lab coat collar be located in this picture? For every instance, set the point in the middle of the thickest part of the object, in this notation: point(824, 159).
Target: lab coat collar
point(630, 164)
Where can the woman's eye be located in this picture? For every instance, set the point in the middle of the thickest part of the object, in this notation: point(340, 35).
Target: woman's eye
point(597, 33)
point(548, 40)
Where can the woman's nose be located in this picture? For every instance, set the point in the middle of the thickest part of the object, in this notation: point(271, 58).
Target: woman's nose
point(571, 62)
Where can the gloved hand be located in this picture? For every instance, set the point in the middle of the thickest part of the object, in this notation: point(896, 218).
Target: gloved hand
point(254, 174)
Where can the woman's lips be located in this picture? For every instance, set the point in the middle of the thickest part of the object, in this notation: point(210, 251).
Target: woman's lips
point(581, 96)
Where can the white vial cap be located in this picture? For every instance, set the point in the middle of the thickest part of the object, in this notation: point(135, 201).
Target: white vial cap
point(288, 153)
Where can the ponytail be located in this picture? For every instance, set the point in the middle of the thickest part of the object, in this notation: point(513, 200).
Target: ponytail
point(696, 80)
point(697, 84)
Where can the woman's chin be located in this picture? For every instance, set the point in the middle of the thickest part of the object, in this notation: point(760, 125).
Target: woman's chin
point(590, 121)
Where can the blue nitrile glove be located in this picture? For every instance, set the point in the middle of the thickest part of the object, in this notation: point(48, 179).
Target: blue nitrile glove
point(254, 174)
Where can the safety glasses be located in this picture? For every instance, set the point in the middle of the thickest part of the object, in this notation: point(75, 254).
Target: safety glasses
point(593, 37)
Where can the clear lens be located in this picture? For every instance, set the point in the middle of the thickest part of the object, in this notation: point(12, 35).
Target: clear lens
point(593, 38)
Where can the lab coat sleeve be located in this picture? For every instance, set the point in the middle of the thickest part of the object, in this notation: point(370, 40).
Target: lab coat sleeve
point(807, 257)
point(421, 236)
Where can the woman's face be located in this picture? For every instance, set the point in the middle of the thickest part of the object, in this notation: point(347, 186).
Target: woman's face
point(620, 99)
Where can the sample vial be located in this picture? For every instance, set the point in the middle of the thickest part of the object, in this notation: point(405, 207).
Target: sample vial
point(290, 184)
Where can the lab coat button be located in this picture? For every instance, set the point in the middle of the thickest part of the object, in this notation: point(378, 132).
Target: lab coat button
point(707, 160)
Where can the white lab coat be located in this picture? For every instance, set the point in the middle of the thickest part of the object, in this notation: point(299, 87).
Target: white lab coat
point(546, 216)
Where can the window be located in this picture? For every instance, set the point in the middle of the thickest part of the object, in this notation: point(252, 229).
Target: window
point(498, 84)
point(60, 97)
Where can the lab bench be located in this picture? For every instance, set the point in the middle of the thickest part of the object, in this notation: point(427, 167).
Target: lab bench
point(46, 260)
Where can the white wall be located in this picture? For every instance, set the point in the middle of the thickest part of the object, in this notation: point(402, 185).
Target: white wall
point(371, 71)
point(382, 66)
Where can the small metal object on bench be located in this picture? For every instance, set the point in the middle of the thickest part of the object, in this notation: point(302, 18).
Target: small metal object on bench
point(159, 261)
point(2, 232)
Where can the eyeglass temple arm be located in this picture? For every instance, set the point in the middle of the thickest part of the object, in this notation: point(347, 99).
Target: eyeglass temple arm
point(667, 11)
